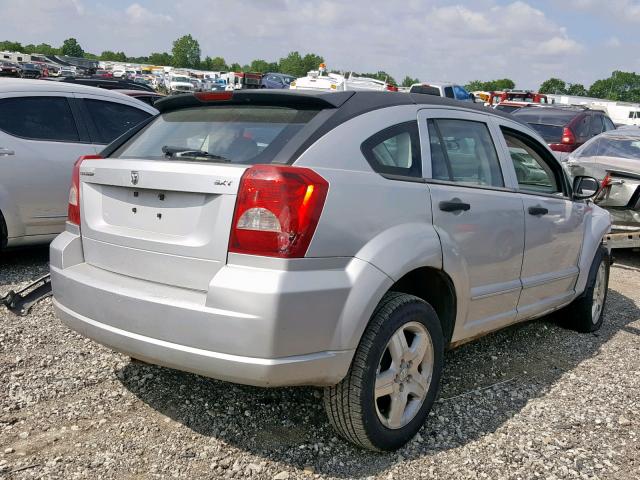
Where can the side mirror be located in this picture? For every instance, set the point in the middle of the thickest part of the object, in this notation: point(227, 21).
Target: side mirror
point(585, 187)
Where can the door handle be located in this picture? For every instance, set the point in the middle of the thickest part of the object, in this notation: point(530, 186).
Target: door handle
point(5, 151)
point(454, 205)
point(538, 210)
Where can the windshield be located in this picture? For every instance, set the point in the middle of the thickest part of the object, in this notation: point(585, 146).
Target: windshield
point(181, 79)
point(237, 134)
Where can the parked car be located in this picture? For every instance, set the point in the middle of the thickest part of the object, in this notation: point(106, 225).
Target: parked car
point(10, 69)
point(291, 239)
point(565, 128)
point(44, 127)
point(276, 80)
point(614, 159)
point(180, 84)
point(448, 90)
point(103, 74)
point(67, 72)
point(142, 95)
point(118, 72)
point(30, 70)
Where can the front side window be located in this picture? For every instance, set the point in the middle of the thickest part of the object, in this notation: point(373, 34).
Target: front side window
point(113, 119)
point(462, 151)
point(395, 150)
point(448, 92)
point(38, 118)
point(608, 124)
point(460, 93)
point(534, 174)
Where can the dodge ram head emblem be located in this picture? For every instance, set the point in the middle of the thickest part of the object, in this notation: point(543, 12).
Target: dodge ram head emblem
point(134, 177)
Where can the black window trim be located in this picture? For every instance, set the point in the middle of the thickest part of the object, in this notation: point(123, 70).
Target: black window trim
point(79, 127)
point(504, 188)
point(94, 133)
point(410, 127)
point(561, 178)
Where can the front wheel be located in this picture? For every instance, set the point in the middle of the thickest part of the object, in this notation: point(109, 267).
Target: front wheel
point(586, 313)
point(394, 377)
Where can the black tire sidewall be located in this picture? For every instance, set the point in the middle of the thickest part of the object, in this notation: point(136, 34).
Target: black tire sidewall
point(602, 255)
point(379, 435)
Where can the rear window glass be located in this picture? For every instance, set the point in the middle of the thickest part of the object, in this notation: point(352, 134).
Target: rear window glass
point(236, 134)
point(547, 116)
point(628, 148)
point(550, 133)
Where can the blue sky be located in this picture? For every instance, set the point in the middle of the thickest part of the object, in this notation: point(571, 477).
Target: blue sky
point(457, 40)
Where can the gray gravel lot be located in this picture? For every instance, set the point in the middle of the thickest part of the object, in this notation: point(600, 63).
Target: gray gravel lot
point(531, 401)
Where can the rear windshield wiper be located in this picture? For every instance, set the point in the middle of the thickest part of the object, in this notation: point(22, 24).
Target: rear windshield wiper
point(171, 152)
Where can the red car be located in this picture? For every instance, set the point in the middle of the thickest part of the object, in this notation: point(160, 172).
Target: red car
point(103, 74)
point(565, 128)
point(8, 69)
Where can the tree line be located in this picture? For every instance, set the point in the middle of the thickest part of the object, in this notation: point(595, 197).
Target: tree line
point(620, 86)
point(186, 53)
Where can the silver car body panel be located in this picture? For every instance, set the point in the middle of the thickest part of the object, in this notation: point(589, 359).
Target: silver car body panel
point(170, 294)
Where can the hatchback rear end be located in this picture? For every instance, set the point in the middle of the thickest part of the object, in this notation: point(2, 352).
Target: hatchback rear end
point(186, 245)
point(564, 129)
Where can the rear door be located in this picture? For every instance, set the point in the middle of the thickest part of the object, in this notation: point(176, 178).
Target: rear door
point(478, 218)
point(554, 224)
point(41, 139)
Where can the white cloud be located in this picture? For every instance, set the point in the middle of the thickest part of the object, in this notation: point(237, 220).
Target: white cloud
point(457, 40)
point(613, 42)
point(137, 14)
point(623, 10)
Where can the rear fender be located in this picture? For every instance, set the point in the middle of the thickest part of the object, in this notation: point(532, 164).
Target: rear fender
point(597, 225)
point(393, 253)
point(9, 210)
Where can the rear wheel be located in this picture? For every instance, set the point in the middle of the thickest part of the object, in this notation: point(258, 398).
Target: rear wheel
point(586, 313)
point(394, 377)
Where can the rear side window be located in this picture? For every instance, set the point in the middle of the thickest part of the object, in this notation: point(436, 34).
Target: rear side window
point(234, 133)
point(395, 150)
point(608, 124)
point(462, 151)
point(113, 119)
point(38, 118)
point(448, 92)
point(596, 125)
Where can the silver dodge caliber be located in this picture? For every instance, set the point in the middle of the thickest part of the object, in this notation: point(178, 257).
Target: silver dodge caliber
point(339, 239)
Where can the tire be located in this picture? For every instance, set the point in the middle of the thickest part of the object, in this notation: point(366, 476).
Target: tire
point(353, 409)
point(4, 234)
point(582, 315)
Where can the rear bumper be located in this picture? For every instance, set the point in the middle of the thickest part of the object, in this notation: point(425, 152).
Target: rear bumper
point(321, 368)
point(254, 325)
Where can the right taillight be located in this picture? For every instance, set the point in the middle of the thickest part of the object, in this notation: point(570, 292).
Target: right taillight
point(73, 212)
point(277, 211)
point(568, 138)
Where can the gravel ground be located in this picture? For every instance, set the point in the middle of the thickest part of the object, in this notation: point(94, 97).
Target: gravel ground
point(531, 401)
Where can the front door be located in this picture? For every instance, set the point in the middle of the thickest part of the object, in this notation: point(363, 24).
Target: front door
point(553, 224)
point(480, 222)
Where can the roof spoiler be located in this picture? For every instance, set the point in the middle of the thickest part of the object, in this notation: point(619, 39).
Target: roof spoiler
point(311, 100)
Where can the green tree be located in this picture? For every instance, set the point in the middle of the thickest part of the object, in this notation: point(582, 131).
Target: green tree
point(296, 65)
point(186, 52)
point(71, 48)
point(491, 85)
point(554, 85)
point(10, 46)
point(235, 67)
point(621, 86)
point(160, 59)
point(577, 89)
point(45, 49)
point(108, 55)
point(262, 66)
point(408, 81)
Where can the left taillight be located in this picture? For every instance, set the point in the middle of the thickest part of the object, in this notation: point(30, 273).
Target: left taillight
point(73, 212)
point(277, 210)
